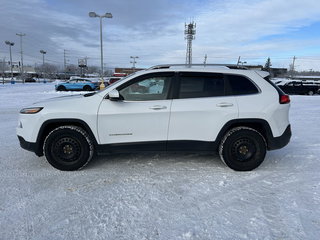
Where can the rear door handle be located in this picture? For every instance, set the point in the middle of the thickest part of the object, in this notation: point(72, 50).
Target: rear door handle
point(157, 107)
point(224, 104)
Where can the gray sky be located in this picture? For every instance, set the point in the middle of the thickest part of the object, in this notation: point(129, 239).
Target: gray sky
point(154, 31)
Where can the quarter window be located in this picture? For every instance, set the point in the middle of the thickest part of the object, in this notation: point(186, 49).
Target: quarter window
point(241, 85)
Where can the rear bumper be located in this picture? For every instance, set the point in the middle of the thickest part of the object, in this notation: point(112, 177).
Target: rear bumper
point(32, 147)
point(281, 141)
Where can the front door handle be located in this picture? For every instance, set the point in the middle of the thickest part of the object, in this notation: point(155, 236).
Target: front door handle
point(224, 104)
point(157, 107)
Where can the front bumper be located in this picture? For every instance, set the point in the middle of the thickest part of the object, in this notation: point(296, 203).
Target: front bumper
point(32, 147)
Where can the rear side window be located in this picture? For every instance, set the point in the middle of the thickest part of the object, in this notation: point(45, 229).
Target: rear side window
point(201, 85)
point(240, 85)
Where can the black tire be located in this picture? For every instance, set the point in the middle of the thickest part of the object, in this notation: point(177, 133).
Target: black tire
point(68, 148)
point(310, 93)
point(87, 88)
point(61, 88)
point(242, 149)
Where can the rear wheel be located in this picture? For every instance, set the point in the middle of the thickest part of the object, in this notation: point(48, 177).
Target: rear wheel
point(87, 88)
point(242, 149)
point(68, 148)
point(310, 93)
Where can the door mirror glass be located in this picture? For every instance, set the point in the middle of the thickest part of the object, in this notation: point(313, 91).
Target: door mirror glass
point(114, 95)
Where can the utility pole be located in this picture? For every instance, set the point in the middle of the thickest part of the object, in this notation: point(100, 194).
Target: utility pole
point(238, 60)
point(21, 52)
point(65, 64)
point(3, 66)
point(293, 62)
point(189, 32)
point(205, 60)
point(10, 44)
point(86, 68)
point(133, 62)
point(242, 62)
point(43, 53)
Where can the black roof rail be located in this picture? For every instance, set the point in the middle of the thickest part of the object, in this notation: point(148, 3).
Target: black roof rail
point(230, 66)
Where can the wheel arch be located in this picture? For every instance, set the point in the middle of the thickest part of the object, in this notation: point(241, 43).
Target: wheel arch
point(260, 125)
point(61, 87)
point(49, 125)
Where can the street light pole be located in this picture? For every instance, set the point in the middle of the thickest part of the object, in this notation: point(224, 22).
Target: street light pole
point(134, 62)
point(102, 86)
point(10, 45)
point(107, 15)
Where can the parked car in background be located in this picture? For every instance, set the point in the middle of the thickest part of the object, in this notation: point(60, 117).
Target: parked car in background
point(78, 84)
point(30, 79)
point(300, 87)
point(111, 80)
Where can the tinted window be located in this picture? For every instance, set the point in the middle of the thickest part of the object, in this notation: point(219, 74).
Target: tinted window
point(240, 85)
point(147, 89)
point(201, 86)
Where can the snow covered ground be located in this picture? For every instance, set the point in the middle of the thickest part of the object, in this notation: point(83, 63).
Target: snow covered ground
point(159, 196)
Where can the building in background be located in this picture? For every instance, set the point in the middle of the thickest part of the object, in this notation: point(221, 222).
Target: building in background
point(127, 71)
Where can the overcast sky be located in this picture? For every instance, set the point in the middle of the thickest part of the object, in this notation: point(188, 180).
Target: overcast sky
point(154, 31)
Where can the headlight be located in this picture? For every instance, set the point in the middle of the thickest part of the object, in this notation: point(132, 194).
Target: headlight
point(31, 110)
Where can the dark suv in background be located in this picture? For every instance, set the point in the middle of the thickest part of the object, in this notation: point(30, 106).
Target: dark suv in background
point(300, 88)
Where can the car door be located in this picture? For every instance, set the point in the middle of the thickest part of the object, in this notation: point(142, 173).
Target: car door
point(142, 116)
point(199, 111)
point(70, 85)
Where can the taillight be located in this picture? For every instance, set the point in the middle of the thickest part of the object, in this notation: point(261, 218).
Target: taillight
point(284, 99)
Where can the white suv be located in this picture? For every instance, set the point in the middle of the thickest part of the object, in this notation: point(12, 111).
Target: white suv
point(234, 112)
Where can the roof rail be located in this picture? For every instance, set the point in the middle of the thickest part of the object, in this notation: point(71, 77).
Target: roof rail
point(230, 66)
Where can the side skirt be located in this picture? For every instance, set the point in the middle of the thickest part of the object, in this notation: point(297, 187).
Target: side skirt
point(157, 146)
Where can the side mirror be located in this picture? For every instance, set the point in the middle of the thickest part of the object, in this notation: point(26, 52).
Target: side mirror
point(114, 95)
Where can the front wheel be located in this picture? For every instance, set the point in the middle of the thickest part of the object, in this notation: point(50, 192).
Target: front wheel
point(68, 148)
point(242, 149)
point(61, 88)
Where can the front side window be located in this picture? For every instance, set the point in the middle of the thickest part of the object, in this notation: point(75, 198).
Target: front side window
point(201, 85)
point(148, 89)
